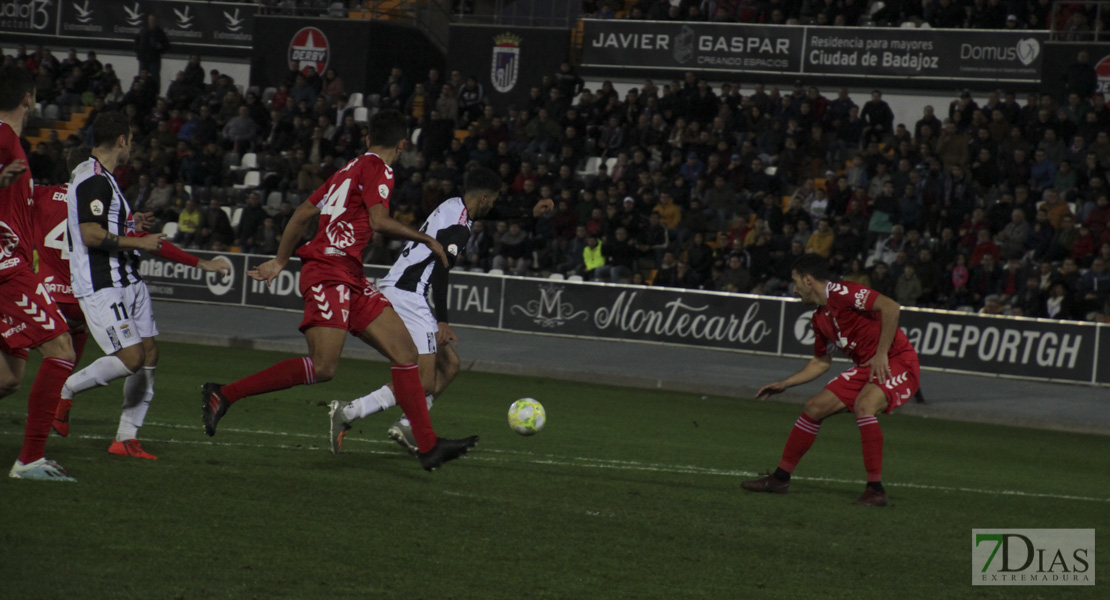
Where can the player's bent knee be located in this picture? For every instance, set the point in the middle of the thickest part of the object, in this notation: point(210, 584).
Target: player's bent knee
point(8, 386)
point(325, 370)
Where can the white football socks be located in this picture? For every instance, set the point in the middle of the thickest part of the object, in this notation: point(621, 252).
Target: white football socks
point(138, 390)
point(103, 371)
point(378, 400)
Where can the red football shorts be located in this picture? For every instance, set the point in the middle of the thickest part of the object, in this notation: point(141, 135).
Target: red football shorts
point(28, 315)
point(340, 305)
point(905, 377)
point(72, 313)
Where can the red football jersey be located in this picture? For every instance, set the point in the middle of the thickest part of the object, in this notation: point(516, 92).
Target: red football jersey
point(52, 240)
point(344, 202)
point(849, 322)
point(16, 233)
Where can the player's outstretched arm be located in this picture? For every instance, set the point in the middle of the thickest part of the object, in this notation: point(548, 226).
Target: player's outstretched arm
point(381, 222)
point(11, 172)
point(95, 235)
point(294, 233)
point(815, 368)
point(888, 310)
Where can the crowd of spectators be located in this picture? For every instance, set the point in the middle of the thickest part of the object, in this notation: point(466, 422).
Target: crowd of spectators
point(992, 205)
point(1075, 22)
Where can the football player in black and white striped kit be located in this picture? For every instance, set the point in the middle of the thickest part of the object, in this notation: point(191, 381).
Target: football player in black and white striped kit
point(406, 287)
point(104, 268)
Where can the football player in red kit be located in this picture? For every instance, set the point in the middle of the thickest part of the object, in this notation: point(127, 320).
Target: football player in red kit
point(863, 324)
point(339, 299)
point(29, 318)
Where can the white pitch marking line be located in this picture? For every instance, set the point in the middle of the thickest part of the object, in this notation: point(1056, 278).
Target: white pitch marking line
point(595, 463)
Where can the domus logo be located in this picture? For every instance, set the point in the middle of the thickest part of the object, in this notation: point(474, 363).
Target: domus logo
point(1024, 51)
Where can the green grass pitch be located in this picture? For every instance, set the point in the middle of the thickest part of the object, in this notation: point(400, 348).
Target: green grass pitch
point(625, 494)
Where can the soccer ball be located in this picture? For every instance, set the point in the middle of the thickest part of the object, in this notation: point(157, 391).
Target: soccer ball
point(526, 416)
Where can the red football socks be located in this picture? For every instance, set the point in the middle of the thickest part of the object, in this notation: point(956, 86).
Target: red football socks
point(872, 437)
point(284, 375)
point(41, 405)
point(798, 443)
point(410, 396)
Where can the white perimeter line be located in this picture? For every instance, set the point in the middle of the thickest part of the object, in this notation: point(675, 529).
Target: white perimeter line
point(555, 460)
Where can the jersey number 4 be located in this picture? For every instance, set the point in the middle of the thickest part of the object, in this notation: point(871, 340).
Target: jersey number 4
point(58, 239)
point(336, 200)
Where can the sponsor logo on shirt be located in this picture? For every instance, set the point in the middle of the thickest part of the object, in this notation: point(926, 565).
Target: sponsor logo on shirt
point(453, 250)
point(383, 189)
point(861, 299)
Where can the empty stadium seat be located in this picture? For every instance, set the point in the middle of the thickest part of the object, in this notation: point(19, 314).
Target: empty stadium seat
point(556, 277)
point(170, 229)
point(355, 99)
point(236, 216)
point(274, 200)
point(591, 167)
point(251, 180)
point(362, 115)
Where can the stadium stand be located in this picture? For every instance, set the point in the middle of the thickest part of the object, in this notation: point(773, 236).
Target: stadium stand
point(987, 204)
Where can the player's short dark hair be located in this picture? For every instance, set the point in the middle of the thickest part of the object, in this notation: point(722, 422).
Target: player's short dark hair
point(108, 126)
point(814, 265)
point(482, 180)
point(76, 156)
point(15, 84)
point(387, 128)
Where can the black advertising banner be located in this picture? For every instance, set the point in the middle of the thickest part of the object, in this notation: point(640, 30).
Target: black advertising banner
point(1102, 360)
point(797, 328)
point(507, 61)
point(1063, 55)
point(929, 56)
point(168, 280)
point(284, 292)
point(474, 299)
point(925, 53)
point(648, 314)
point(1002, 346)
point(1026, 348)
point(191, 26)
point(33, 17)
point(693, 46)
point(362, 52)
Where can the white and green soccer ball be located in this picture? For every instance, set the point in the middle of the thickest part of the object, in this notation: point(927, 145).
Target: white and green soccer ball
point(526, 416)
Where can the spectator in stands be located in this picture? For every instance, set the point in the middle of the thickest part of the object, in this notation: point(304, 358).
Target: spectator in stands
point(217, 233)
point(189, 225)
point(250, 221)
point(151, 44)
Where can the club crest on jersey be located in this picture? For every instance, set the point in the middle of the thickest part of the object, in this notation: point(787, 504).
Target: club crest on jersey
point(125, 330)
point(341, 234)
point(8, 241)
point(97, 207)
point(383, 189)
